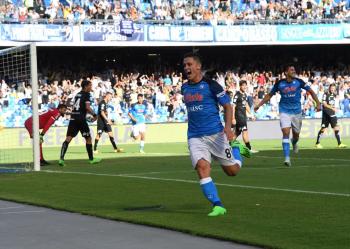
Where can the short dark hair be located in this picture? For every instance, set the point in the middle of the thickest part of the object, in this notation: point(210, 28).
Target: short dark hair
point(195, 56)
point(288, 66)
point(61, 106)
point(140, 95)
point(242, 82)
point(332, 85)
point(85, 83)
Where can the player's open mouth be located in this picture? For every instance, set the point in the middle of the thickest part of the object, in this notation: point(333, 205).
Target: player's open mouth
point(188, 73)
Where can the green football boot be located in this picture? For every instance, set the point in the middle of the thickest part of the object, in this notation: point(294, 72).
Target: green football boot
point(243, 150)
point(217, 210)
point(95, 160)
point(61, 163)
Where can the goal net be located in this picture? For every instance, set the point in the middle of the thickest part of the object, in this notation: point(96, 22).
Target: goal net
point(18, 101)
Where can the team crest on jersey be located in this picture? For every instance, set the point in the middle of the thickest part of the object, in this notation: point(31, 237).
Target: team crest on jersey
point(201, 86)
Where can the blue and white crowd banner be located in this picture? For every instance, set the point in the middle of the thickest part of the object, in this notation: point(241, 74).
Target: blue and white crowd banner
point(346, 31)
point(36, 32)
point(248, 33)
point(192, 33)
point(158, 33)
point(122, 31)
point(316, 32)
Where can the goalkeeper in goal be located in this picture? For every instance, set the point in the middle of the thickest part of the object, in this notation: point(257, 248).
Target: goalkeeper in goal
point(46, 120)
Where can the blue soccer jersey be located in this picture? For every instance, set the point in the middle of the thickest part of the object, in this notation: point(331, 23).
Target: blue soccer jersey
point(202, 101)
point(139, 111)
point(290, 102)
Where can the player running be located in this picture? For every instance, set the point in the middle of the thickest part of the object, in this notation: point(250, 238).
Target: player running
point(290, 108)
point(81, 106)
point(329, 117)
point(240, 108)
point(137, 115)
point(207, 138)
point(46, 120)
point(104, 123)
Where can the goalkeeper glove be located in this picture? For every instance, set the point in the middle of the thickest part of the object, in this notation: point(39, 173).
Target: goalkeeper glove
point(41, 138)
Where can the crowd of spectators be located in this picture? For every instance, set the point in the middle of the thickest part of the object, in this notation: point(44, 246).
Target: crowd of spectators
point(213, 11)
point(163, 94)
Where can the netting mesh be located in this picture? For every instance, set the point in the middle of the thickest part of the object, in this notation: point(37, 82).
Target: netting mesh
point(15, 107)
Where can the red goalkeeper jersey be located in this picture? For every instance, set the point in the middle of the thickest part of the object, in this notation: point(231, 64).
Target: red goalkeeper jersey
point(46, 119)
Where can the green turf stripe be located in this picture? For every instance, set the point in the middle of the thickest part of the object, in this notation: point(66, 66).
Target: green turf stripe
point(196, 182)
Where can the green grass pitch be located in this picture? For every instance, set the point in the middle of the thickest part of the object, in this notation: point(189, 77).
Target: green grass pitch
point(305, 206)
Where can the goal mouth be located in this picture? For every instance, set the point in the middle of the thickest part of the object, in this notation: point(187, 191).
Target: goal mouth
point(19, 82)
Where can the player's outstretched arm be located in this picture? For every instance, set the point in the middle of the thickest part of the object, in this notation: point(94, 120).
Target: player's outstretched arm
point(89, 110)
point(266, 98)
point(315, 98)
point(132, 117)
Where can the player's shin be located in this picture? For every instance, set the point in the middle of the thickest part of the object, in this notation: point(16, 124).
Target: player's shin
point(319, 135)
point(113, 142)
point(336, 133)
point(41, 152)
point(64, 149)
point(95, 145)
point(210, 192)
point(295, 140)
point(89, 151)
point(286, 147)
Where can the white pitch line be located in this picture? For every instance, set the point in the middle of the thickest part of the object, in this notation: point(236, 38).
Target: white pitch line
point(196, 182)
point(306, 158)
point(3, 208)
point(244, 168)
point(23, 212)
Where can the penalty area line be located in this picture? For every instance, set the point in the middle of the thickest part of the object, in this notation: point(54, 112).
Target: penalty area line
point(196, 182)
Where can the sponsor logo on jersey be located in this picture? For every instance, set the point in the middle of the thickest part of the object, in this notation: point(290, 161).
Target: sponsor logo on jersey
point(193, 97)
point(289, 89)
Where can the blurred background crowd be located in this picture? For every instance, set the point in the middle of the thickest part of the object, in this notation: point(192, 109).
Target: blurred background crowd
point(159, 78)
point(213, 11)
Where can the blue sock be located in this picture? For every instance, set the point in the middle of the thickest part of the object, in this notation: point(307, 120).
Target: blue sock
point(286, 147)
point(237, 154)
point(210, 192)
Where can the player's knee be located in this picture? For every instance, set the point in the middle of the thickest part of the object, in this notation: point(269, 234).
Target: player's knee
point(203, 167)
point(232, 170)
point(68, 139)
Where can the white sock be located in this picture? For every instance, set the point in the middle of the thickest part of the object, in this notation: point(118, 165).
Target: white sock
point(142, 144)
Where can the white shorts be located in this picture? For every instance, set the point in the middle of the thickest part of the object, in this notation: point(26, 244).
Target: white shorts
point(216, 146)
point(291, 120)
point(138, 128)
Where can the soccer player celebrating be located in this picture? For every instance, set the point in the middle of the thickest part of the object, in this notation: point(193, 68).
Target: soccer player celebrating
point(329, 117)
point(137, 115)
point(104, 123)
point(81, 106)
point(290, 108)
point(46, 120)
point(240, 108)
point(207, 137)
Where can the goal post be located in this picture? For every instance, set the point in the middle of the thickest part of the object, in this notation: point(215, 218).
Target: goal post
point(19, 92)
point(35, 106)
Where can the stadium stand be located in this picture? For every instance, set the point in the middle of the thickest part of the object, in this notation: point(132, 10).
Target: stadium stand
point(207, 11)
